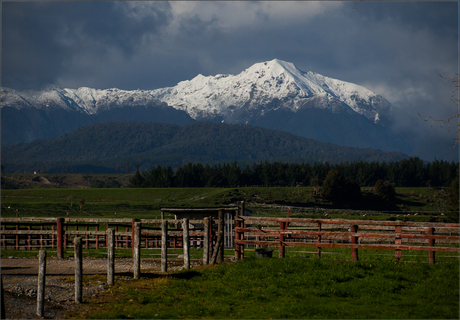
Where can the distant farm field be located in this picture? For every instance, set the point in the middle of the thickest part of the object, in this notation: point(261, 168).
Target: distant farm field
point(418, 204)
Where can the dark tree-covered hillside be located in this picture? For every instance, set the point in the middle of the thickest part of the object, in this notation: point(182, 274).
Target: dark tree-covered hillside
point(111, 145)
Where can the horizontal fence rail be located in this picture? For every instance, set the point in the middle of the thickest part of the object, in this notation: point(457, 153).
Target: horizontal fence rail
point(234, 231)
point(59, 233)
point(341, 233)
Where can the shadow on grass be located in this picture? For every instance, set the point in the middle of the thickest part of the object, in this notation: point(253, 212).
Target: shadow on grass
point(372, 202)
point(187, 275)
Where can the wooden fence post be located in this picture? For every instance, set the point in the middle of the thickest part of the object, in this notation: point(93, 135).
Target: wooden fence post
point(41, 283)
point(133, 222)
point(281, 238)
point(220, 256)
point(137, 250)
point(431, 243)
point(398, 230)
point(206, 241)
point(52, 237)
point(354, 240)
point(17, 228)
point(3, 238)
point(2, 306)
point(218, 248)
point(28, 239)
point(41, 238)
point(107, 239)
point(97, 237)
point(86, 238)
point(59, 237)
point(78, 271)
point(164, 246)
point(111, 257)
point(319, 240)
point(186, 241)
point(239, 248)
point(211, 237)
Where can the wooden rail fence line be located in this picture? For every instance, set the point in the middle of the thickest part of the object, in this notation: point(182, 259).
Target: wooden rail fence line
point(243, 230)
point(341, 233)
point(59, 234)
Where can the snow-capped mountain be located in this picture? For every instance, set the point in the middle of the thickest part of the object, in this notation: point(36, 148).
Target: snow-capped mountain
point(251, 93)
point(248, 94)
point(273, 94)
point(86, 100)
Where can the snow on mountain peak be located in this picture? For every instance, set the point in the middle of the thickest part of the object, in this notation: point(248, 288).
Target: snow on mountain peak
point(261, 88)
point(261, 83)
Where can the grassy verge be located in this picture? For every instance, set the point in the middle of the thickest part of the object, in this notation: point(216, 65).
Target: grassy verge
point(286, 289)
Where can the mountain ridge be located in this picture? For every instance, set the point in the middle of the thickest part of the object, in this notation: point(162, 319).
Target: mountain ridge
point(204, 97)
point(273, 94)
point(149, 144)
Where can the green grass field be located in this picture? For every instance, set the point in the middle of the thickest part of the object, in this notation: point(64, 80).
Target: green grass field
point(289, 288)
point(146, 203)
point(299, 286)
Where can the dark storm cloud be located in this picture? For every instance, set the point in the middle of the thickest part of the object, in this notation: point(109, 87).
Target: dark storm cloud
point(42, 41)
point(397, 49)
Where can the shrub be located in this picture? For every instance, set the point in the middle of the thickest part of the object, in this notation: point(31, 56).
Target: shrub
point(384, 190)
point(337, 188)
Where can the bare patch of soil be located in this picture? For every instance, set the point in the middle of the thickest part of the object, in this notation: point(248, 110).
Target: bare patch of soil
point(20, 276)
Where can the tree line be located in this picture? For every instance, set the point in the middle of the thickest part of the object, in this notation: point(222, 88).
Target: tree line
point(411, 172)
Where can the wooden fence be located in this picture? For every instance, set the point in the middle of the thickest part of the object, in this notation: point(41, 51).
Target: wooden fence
point(29, 233)
point(341, 233)
point(59, 233)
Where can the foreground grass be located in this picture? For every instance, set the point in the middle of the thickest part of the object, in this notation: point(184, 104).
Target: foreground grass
point(286, 289)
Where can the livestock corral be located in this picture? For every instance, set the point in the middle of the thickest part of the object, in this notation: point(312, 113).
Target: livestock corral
point(238, 231)
point(215, 235)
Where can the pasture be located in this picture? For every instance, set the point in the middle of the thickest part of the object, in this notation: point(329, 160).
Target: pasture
point(285, 289)
point(410, 204)
point(299, 286)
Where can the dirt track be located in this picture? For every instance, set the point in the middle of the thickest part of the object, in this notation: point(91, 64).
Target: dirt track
point(19, 276)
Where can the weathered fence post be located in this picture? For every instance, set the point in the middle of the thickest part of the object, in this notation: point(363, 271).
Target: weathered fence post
point(17, 228)
point(319, 240)
point(186, 240)
point(111, 257)
point(281, 253)
point(78, 271)
point(398, 231)
point(3, 238)
point(97, 236)
point(239, 248)
point(41, 238)
point(86, 238)
point(41, 283)
point(211, 238)
point(218, 248)
point(354, 240)
point(206, 241)
point(59, 237)
point(220, 256)
point(133, 235)
point(2, 306)
point(137, 250)
point(164, 246)
point(431, 243)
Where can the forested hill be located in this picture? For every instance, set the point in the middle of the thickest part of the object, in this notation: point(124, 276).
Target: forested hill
point(111, 146)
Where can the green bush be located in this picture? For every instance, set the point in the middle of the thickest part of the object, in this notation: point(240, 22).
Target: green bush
point(337, 188)
point(384, 190)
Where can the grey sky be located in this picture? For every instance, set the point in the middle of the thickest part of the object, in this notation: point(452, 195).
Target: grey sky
point(397, 49)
